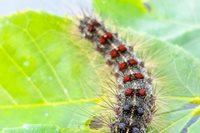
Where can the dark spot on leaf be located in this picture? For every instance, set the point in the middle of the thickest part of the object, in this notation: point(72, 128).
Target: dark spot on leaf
point(147, 6)
point(96, 123)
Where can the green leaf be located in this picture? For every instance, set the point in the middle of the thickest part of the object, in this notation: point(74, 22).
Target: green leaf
point(168, 20)
point(33, 129)
point(194, 127)
point(190, 41)
point(36, 128)
point(44, 72)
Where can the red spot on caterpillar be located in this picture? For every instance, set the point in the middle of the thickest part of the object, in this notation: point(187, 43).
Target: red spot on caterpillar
point(113, 53)
point(138, 76)
point(102, 40)
point(127, 78)
point(128, 92)
point(122, 66)
point(141, 92)
point(95, 23)
point(132, 62)
point(108, 35)
point(121, 48)
point(90, 28)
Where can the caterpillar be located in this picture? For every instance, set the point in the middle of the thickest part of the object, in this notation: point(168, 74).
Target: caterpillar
point(135, 99)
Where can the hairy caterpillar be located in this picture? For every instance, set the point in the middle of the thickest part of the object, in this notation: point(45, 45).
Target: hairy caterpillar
point(176, 79)
point(135, 98)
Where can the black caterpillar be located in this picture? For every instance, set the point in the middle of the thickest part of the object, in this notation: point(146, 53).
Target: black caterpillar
point(136, 101)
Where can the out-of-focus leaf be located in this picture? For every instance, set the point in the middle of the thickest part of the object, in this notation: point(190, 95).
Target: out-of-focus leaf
point(169, 20)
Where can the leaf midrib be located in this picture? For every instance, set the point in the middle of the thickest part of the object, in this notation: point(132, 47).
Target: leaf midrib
point(35, 105)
